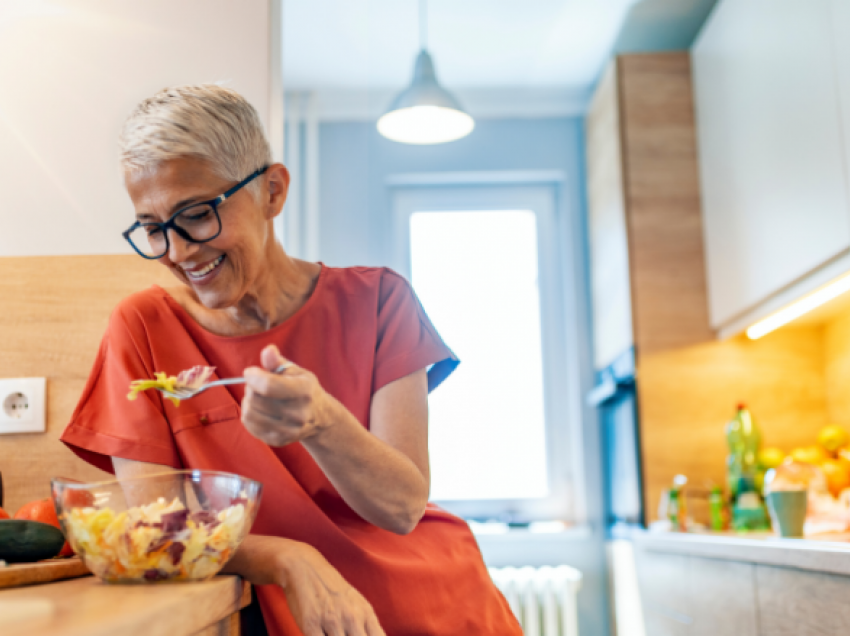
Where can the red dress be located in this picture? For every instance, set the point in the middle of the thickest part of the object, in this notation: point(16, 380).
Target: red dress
point(361, 329)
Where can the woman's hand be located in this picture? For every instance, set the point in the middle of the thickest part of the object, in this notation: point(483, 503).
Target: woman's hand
point(381, 472)
point(321, 601)
point(287, 407)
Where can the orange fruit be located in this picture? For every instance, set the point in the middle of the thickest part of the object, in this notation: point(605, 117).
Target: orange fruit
point(837, 473)
point(44, 511)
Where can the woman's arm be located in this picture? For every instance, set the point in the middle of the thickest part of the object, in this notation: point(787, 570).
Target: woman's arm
point(383, 474)
point(320, 599)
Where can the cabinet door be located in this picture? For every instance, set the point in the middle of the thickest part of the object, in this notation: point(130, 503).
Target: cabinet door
point(723, 597)
point(664, 592)
point(774, 194)
point(800, 603)
point(840, 19)
point(609, 252)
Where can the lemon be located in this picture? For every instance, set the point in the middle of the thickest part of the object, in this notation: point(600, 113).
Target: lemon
point(833, 437)
point(770, 457)
point(809, 454)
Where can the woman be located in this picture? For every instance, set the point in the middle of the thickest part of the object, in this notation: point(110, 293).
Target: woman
point(345, 541)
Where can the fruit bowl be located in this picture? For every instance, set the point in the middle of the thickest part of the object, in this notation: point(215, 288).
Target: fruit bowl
point(176, 526)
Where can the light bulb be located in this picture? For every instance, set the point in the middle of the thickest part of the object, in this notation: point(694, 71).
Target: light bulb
point(425, 124)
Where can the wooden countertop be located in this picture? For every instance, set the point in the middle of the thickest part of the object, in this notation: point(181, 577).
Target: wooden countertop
point(88, 607)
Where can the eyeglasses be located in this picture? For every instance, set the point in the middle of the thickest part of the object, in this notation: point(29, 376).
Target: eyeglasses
point(197, 223)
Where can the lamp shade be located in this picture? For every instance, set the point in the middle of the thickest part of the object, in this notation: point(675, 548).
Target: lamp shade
point(425, 113)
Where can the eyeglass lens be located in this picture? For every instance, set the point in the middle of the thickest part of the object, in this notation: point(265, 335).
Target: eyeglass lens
point(200, 223)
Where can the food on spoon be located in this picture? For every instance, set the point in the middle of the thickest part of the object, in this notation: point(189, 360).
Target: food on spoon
point(157, 542)
point(193, 378)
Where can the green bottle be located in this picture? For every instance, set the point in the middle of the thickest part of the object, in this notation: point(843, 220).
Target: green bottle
point(717, 509)
point(674, 511)
point(749, 512)
point(744, 439)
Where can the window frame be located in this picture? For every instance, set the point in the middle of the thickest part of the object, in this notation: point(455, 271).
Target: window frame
point(563, 422)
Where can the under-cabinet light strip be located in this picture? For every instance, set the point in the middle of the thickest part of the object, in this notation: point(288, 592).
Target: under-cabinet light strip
point(797, 309)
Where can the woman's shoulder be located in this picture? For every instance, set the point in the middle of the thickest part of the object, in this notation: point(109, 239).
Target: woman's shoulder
point(356, 280)
point(141, 308)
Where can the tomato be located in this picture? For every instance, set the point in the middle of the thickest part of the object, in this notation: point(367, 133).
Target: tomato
point(3, 514)
point(78, 498)
point(66, 550)
point(43, 511)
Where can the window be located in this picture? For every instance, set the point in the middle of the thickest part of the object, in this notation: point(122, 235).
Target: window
point(462, 264)
point(482, 260)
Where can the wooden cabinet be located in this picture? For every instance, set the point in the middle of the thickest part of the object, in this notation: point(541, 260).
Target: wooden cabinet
point(772, 155)
point(647, 263)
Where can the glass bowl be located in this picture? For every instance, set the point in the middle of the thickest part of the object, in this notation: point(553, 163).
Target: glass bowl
point(176, 526)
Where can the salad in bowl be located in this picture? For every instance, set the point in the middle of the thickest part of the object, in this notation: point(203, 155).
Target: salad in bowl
point(175, 526)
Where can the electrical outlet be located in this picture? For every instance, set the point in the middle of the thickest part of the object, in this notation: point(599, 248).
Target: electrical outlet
point(22, 408)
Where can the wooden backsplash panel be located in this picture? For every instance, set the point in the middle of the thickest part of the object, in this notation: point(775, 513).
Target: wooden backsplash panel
point(837, 353)
point(53, 313)
point(687, 395)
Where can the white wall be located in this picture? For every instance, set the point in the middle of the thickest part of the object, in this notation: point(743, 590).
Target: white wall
point(72, 70)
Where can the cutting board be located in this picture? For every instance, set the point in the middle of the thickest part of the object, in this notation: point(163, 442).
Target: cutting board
point(17, 574)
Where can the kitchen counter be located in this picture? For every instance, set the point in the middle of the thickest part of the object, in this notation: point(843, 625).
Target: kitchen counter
point(747, 585)
point(88, 607)
point(830, 553)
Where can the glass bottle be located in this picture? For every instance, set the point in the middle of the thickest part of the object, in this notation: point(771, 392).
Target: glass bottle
point(744, 438)
point(717, 509)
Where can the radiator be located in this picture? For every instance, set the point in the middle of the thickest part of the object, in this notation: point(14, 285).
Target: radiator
point(543, 599)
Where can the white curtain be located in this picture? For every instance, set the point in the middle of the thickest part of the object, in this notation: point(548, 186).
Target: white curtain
point(298, 226)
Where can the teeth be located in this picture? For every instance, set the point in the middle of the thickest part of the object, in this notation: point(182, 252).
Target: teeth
point(206, 270)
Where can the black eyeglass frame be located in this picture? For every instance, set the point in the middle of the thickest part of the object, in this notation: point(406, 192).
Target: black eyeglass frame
point(170, 223)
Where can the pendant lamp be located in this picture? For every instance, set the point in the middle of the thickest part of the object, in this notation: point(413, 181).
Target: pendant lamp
point(425, 113)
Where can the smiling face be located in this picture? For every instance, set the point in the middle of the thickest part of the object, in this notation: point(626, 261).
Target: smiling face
point(224, 270)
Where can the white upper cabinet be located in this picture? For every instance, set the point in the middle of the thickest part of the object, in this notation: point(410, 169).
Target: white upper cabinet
point(840, 19)
point(772, 163)
point(609, 251)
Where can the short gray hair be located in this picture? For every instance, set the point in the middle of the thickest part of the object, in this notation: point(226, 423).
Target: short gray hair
point(206, 121)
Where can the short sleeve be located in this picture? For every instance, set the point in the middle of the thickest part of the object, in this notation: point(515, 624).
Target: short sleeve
point(407, 341)
point(105, 423)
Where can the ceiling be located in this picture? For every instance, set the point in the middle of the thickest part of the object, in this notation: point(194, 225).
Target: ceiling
point(490, 52)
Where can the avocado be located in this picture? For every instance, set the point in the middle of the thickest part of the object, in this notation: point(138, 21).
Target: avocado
point(24, 541)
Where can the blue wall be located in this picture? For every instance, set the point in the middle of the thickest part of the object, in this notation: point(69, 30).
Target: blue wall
point(355, 162)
